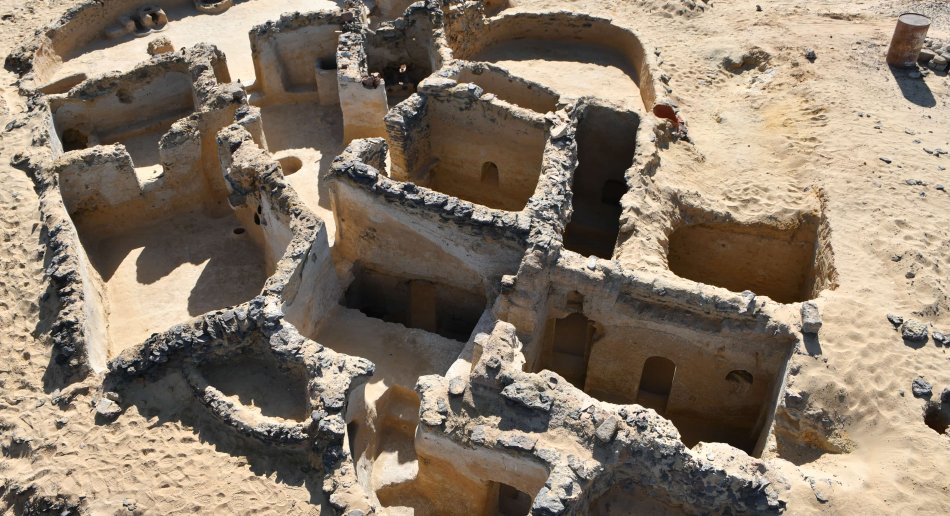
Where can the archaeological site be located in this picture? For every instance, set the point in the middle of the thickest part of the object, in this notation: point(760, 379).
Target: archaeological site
point(475, 257)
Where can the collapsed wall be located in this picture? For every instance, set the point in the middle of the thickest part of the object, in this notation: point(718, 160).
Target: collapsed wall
point(449, 327)
point(295, 57)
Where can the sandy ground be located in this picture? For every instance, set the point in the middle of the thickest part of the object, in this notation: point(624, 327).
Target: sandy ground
point(180, 265)
point(763, 140)
point(186, 29)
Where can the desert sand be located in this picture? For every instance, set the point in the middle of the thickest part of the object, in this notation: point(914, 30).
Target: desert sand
point(841, 145)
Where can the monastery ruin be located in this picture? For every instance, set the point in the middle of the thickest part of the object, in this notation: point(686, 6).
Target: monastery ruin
point(379, 235)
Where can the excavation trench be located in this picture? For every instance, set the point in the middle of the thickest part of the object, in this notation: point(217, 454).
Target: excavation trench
point(145, 191)
point(606, 142)
point(789, 263)
point(408, 328)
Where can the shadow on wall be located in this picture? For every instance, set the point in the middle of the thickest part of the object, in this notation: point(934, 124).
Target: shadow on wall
point(415, 303)
point(221, 248)
point(259, 380)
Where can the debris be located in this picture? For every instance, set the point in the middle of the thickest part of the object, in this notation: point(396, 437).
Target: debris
point(895, 319)
point(457, 386)
point(811, 318)
point(938, 64)
point(941, 338)
point(811, 55)
point(108, 409)
point(161, 45)
point(921, 388)
point(914, 331)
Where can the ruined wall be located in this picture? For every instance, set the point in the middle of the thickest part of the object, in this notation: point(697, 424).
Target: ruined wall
point(409, 138)
point(39, 59)
point(362, 96)
point(147, 110)
point(781, 252)
point(488, 432)
point(472, 36)
point(296, 245)
point(408, 51)
point(295, 56)
point(511, 418)
point(507, 87)
point(414, 232)
point(116, 111)
point(465, 139)
point(607, 143)
point(729, 357)
point(479, 149)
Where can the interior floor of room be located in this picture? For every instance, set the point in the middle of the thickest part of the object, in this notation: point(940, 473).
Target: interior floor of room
point(312, 134)
point(169, 271)
point(256, 381)
point(186, 27)
point(572, 69)
point(401, 356)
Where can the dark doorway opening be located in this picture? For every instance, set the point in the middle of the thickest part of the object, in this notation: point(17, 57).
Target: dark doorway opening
point(568, 348)
point(656, 383)
point(606, 141)
point(415, 303)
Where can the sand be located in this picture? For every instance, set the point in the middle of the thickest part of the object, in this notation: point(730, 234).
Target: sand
point(762, 139)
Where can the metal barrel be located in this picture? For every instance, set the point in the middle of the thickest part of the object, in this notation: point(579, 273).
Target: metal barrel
point(908, 40)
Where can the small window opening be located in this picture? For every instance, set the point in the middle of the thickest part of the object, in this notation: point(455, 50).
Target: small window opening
point(74, 139)
point(741, 381)
point(489, 174)
point(740, 376)
point(512, 502)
